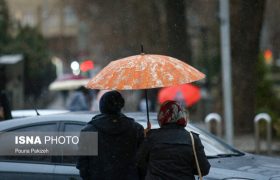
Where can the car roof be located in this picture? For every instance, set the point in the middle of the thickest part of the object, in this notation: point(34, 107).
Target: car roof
point(83, 117)
point(33, 112)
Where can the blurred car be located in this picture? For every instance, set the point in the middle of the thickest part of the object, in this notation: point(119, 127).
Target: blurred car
point(226, 161)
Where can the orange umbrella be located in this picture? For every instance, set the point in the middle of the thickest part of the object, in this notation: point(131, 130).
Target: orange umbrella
point(144, 71)
point(186, 93)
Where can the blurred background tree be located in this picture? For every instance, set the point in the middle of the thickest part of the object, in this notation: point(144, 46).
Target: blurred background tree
point(266, 98)
point(246, 24)
point(4, 25)
point(38, 69)
point(117, 29)
point(178, 41)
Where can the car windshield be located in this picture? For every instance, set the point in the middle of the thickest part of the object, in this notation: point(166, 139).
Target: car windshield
point(213, 146)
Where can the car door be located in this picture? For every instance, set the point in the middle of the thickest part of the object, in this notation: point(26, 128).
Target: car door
point(66, 167)
point(28, 166)
point(14, 169)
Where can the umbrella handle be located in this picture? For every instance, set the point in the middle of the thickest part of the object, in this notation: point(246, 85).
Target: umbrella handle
point(147, 109)
point(149, 125)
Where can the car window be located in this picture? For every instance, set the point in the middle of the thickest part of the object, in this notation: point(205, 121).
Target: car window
point(212, 145)
point(72, 128)
point(51, 127)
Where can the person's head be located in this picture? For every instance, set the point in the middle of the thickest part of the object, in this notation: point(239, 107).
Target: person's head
point(171, 112)
point(111, 103)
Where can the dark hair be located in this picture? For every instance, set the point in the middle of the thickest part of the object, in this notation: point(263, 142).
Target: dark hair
point(111, 103)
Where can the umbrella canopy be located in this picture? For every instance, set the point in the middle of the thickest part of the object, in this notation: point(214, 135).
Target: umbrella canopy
point(68, 82)
point(144, 71)
point(187, 94)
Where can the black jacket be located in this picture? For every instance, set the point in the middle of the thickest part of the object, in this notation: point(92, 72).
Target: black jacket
point(166, 154)
point(118, 140)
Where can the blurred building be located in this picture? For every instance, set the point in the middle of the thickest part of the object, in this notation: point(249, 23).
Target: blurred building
point(58, 23)
point(55, 19)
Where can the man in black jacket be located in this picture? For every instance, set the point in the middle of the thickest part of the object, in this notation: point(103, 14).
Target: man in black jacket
point(118, 140)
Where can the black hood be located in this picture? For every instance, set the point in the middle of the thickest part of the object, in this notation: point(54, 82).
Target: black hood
point(112, 124)
point(111, 103)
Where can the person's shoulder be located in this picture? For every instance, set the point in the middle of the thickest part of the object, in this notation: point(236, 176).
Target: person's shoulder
point(127, 117)
point(90, 126)
point(194, 134)
point(196, 137)
point(133, 121)
point(157, 130)
point(123, 116)
point(153, 132)
point(97, 117)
